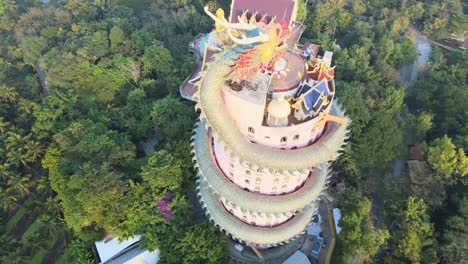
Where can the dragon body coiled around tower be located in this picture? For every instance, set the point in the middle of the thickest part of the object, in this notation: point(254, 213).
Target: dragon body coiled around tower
point(268, 128)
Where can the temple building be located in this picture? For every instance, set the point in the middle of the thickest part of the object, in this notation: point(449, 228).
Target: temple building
point(269, 123)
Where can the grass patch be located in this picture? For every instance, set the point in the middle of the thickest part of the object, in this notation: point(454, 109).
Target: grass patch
point(66, 257)
point(15, 219)
point(22, 212)
point(34, 227)
point(39, 256)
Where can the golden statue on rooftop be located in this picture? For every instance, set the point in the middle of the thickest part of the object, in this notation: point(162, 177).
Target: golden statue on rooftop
point(268, 36)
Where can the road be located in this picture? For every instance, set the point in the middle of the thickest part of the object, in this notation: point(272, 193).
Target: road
point(410, 73)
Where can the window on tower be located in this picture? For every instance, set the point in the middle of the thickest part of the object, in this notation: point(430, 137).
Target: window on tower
point(296, 137)
point(283, 140)
point(247, 181)
point(251, 130)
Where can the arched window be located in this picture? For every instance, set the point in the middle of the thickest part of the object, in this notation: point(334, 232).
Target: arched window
point(251, 130)
point(258, 180)
point(276, 180)
point(247, 181)
point(275, 188)
point(247, 172)
point(283, 139)
point(296, 137)
point(257, 188)
point(284, 186)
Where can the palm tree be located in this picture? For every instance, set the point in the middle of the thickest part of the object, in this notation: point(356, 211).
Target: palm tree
point(7, 200)
point(3, 125)
point(14, 157)
point(13, 140)
point(36, 242)
point(22, 150)
point(7, 244)
point(24, 117)
point(14, 257)
point(53, 206)
point(8, 94)
point(25, 107)
point(33, 150)
point(51, 225)
point(5, 172)
point(19, 184)
point(43, 186)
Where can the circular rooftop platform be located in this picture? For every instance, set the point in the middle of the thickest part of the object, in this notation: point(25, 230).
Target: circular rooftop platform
point(292, 70)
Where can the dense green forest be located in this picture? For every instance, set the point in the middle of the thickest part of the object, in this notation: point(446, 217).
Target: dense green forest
point(412, 216)
point(94, 138)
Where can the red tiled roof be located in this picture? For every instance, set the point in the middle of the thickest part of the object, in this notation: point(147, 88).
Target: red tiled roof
point(282, 9)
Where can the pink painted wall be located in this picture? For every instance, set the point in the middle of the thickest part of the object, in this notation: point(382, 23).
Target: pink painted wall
point(248, 117)
point(255, 180)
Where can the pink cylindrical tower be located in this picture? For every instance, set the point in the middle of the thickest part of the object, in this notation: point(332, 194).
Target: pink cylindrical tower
point(268, 126)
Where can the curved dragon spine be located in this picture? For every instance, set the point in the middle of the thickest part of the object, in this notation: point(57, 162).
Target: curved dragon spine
point(215, 116)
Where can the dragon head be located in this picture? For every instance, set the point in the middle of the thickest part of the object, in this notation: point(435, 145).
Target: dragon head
point(265, 41)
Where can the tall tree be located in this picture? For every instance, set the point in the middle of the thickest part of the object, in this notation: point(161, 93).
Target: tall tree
point(415, 232)
point(451, 165)
point(358, 237)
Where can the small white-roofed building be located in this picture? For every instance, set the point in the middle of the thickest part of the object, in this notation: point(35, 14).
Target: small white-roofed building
point(297, 258)
point(127, 251)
